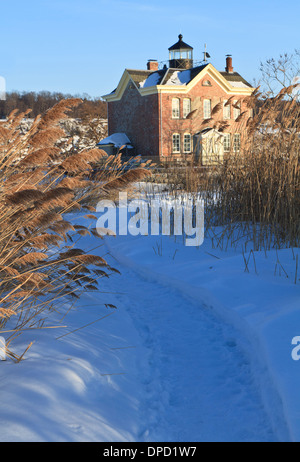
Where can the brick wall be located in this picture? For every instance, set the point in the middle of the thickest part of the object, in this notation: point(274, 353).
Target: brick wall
point(138, 117)
point(197, 94)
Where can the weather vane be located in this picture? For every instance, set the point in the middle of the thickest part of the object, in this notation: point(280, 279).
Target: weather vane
point(206, 55)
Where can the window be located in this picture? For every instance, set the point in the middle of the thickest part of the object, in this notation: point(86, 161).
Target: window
point(207, 109)
point(187, 143)
point(226, 142)
point(206, 83)
point(176, 142)
point(236, 142)
point(186, 107)
point(226, 110)
point(175, 108)
point(236, 109)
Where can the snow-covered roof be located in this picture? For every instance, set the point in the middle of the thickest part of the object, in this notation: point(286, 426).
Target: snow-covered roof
point(235, 79)
point(145, 80)
point(238, 84)
point(117, 139)
point(208, 132)
point(179, 78)
point(151, 80)
point(171, 76)
point(168, 77)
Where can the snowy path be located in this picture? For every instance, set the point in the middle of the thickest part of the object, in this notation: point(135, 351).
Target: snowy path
point(197, 383)
point(162, 367)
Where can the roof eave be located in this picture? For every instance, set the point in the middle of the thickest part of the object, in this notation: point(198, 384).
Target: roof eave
point(209, 68)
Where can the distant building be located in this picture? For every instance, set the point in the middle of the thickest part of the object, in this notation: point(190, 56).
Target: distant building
point(152, 107)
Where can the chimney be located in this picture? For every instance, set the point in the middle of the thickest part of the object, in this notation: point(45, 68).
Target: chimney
point(152, 65)
point(229, 67)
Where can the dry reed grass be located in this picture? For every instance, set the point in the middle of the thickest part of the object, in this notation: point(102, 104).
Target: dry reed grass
point(254, 192)
point(259, 185)
point(40, 262)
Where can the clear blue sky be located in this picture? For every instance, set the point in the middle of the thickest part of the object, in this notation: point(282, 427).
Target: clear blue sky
point(83, 46)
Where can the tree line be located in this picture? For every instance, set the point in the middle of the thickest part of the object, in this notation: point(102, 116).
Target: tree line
point(39, 102)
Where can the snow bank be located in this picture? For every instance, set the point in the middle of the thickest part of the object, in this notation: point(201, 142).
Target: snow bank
point(263, 304)
point(75, 385)
point(89, 383)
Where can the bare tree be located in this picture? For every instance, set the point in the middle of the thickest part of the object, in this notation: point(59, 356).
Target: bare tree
point(280, 73)
point(40, 102)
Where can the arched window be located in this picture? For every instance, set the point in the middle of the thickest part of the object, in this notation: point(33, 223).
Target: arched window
point(186, 107)
point(176, 143)
point(175, 108)
point(187, 143)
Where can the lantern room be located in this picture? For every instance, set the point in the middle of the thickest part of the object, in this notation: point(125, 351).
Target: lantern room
point(181, 55)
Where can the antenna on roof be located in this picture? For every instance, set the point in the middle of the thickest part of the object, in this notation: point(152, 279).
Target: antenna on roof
point(206, 55)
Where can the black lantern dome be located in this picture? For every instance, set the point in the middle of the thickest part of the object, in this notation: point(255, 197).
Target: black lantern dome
point(181, 55)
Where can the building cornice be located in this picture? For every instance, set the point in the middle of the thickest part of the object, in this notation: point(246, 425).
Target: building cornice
point(183, 89)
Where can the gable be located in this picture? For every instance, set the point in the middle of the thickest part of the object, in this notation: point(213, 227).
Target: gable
point(126, 79)
point(179, 81)
point(232, 84)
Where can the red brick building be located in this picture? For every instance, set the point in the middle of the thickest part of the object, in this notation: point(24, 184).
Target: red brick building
point(165, 112)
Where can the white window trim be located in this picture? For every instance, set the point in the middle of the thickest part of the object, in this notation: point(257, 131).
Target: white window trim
point(234, 142)
point(186, 110)
point(226, 109)
point(179, 138)
point(227, 148)
point(204, 109)
point(236, 112)
point(191, 145)
point(177, 108)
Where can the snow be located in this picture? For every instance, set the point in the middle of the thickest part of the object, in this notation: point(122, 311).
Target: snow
point(2, 88)
point(117, 139)
point(198, 349)
point(179, 78)
point(151, 81)
point(238, 84)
